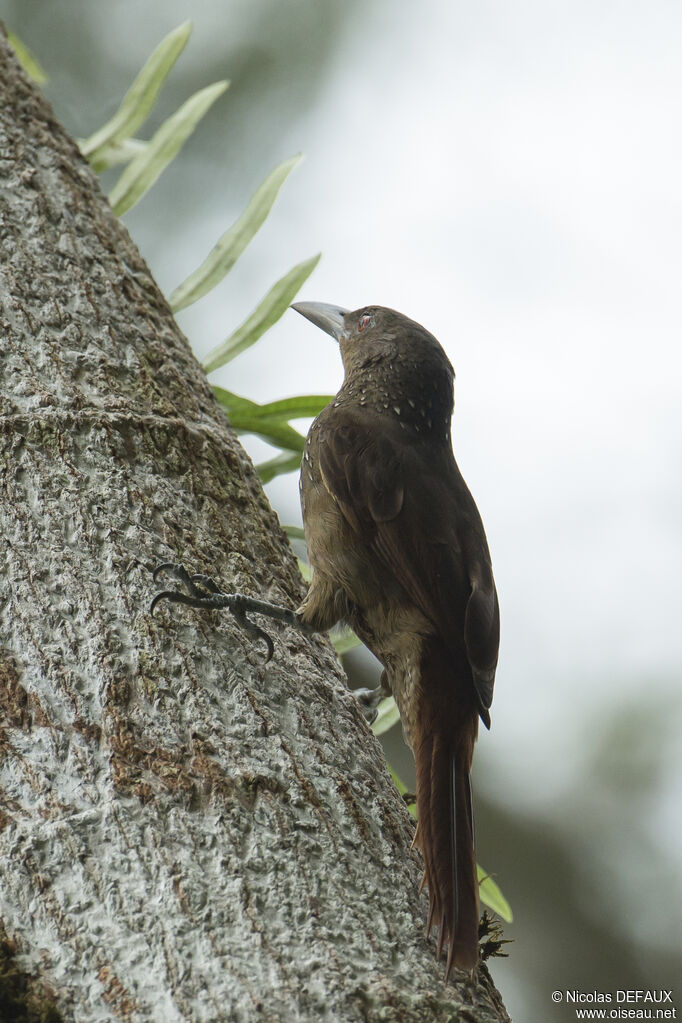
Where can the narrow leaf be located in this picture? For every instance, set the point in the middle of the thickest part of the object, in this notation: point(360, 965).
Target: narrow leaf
point(141, 96)
point(275, 303)
point(278, 466)
point(235, 402)
point(119, 152)
point(301, 407)
point(305, 570)
point(230, 246)
point(278, 433)
point(27, 59)
point(491, 894)
point(388, 716)
point(245, 417)
point(344, 640)
point(143, 171)
point(294, 532)
point(402, 789)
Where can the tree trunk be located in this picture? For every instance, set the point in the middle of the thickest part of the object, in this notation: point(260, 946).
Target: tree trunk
point(186, 833)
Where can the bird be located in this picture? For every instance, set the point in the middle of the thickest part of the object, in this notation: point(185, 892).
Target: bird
point(398, 552)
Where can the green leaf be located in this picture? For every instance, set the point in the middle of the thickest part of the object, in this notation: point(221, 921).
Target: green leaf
point(26, 59)
point(140, 97)
point(305, 570)
point(119, 152)
point(232, 402)
point(402, 789)
point(491, 894)
point(247, 417)
point(294, 532)
point(275, 303)
point(388, 716)
point(301, 407)
point(344, 640)
point(142, 172)
point(230, 246)
point(278, 433)
point(278, 466)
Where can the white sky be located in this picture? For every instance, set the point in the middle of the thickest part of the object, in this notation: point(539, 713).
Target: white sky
point(510, 178)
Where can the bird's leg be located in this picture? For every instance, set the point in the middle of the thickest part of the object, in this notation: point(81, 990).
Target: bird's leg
point(369, 699)
point(202, 592)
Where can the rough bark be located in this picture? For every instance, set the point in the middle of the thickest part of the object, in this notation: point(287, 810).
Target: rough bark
point(185, 833)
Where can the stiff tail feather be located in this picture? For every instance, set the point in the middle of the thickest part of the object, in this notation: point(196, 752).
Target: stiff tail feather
point(446, 838)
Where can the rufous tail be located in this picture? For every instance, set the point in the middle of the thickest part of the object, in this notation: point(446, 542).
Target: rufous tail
point(446, 835)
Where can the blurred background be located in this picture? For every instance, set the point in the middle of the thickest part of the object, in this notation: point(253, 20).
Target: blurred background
point(508, 175)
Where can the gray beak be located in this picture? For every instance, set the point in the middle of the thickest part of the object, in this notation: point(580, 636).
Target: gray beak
point(328, 317)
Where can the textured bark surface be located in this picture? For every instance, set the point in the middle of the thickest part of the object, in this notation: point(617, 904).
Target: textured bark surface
point(185, 833)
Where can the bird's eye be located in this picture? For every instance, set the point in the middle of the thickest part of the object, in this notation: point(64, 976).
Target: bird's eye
point(363, 322)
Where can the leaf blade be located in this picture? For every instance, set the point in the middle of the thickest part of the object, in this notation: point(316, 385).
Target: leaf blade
point(278, 466)
point(27, 59)
point(402, 789)
point(141, 97)
point(298, 407)
point(388, 715)
point(143, 170)
point(294, 532)
point(274, 432)
point(491, 894)
point(344, 640)
point(232, 243)
point(301, 406)
point(268, 311)
point(119, 152)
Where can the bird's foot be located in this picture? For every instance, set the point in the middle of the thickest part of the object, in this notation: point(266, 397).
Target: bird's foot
point(368, 701)
point(202, 592)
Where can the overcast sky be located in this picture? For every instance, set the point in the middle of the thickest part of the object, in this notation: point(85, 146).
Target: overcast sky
point(510, 178)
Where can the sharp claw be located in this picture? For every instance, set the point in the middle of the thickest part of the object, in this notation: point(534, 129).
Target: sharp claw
point(368, 702)
point(253, 630)
point(167, 566)
point(176, 597)
point(205, 580)
point(204, 593)
point(268, 643)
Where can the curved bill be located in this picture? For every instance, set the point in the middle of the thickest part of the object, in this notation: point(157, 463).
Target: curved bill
point(328, 317)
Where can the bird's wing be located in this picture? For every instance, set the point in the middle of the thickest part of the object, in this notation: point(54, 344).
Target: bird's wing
point(394, 500)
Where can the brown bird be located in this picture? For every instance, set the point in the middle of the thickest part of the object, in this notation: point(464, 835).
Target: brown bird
point(398, 551)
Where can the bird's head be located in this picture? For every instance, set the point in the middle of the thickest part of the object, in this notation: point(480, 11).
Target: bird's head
point(374, 334)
